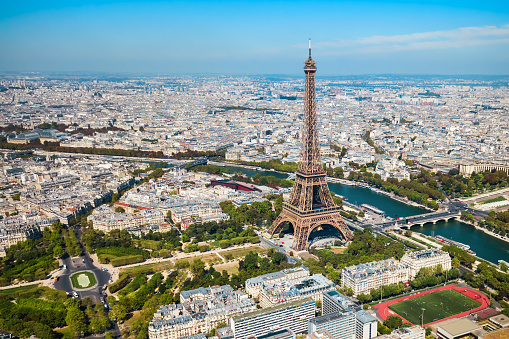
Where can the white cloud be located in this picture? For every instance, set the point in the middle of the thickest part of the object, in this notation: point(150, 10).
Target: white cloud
point(460, 37)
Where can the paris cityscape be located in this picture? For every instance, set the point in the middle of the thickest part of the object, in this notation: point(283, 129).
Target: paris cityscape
point(349, 186)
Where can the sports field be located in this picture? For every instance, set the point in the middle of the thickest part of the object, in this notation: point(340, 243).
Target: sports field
point(437, 305)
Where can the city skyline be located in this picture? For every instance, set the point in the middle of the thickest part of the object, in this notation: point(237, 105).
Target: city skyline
point(256, 37)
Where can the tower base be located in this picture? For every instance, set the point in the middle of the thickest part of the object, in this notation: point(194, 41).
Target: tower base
point(305, 222)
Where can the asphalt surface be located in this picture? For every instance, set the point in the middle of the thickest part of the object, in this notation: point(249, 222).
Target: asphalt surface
point(73, 266)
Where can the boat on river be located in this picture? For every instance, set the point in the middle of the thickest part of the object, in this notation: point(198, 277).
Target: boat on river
point(456, 243)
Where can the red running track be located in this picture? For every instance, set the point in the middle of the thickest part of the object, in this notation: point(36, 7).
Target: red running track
point(384, 311)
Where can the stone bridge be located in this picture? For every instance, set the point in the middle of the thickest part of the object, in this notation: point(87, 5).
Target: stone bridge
point(419, 220)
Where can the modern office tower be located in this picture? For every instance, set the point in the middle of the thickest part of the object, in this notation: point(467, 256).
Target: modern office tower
point(426, 258)
point(339, 325)
point(334, 302)
point(310, 204)
point(293, 316)
point(366, 326)
point(255, 285)
point(201, 310)
point(363, 278)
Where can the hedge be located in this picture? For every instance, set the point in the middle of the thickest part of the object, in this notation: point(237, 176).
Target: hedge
point(122, 281)
point(126, 260)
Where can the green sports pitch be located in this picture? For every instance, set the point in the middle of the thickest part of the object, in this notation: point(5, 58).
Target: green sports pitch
point(437, 305)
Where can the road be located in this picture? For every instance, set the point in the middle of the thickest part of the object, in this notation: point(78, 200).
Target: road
point(77, 265)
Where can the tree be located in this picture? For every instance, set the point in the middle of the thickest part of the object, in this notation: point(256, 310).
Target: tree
point(393, 322)
point(503, 267)
point(197, 267)
point(75, 319)
point(251, 260)
point(185, 238)
point(58, 251)
point(228, 256)
point(278, 258)
point(119, 209)
point(108, 335)
point(455, 262)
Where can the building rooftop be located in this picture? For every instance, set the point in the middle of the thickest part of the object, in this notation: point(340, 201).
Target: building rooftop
point(273, 308)
point(461, 326)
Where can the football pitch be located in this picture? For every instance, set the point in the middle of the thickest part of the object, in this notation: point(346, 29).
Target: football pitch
point(437, 305)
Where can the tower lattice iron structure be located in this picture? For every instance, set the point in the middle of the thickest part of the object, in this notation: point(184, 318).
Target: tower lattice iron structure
point(310, 204)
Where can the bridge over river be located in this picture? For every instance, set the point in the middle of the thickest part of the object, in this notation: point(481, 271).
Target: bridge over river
point(418, 220)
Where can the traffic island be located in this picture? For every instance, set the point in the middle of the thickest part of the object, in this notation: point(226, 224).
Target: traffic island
point(83, 280)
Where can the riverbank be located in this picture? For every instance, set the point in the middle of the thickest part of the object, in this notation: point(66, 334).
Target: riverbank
point(493, 234)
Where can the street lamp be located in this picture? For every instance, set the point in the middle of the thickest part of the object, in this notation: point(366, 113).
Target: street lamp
point(422, 317)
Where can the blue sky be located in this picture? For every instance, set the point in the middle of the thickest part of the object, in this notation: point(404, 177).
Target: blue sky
point(255, 37)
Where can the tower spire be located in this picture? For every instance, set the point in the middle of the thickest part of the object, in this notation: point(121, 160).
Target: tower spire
point(310, 48)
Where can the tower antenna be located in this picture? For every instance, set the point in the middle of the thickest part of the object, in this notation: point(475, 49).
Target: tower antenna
point(309, 47)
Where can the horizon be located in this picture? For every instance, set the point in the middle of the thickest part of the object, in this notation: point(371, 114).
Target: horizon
point(256, 37)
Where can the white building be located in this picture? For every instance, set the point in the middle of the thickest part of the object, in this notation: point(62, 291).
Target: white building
point(255, 285)
point(201, 310)
point(339, 325)
point(284, 291)
point(366, 326)
point(363, 278)
point(426, 258)
point(293, 316)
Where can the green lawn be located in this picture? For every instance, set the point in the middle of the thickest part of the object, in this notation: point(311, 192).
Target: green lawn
point(82, 280)
point(438, 305)
point(15, 289)
point(497, 199)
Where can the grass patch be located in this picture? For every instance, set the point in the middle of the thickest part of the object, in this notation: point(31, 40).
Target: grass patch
point(83, 280)
point(338, 250)
point(438, 305)
point(148, 268)
point(230, 267)
point(16, 289)
point(497, 199)
point(241, 252)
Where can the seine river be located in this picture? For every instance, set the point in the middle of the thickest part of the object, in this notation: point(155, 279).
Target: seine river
point(485, 246)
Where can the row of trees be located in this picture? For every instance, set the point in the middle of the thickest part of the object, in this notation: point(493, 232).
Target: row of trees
point(497, 222)
point(414, 190)
point(38, 311)
point(33, 259)
point(457, 185)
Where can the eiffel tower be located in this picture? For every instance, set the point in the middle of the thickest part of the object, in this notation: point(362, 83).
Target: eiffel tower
point(310, 204)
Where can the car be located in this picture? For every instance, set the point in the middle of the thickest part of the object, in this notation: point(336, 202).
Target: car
point(83, 260)
point(65, 267)
point(56, 278)
point(91, 260)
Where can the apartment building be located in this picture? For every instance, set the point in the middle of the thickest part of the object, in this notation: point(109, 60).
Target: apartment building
point(283, 291)
point(121, 221)
point(426, 258)
point(255, 285)
point(363, 278)
point(200, 310)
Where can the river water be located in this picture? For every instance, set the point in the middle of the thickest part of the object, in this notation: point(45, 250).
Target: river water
point(485, 246)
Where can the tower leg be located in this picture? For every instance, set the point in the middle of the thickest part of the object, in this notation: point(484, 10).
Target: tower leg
point(300, 235)
point(277, 225)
